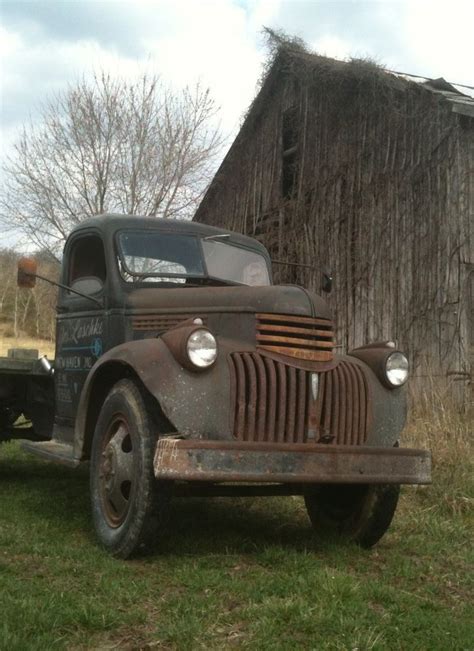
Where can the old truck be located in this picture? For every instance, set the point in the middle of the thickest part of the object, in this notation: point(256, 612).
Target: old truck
point(181, 370)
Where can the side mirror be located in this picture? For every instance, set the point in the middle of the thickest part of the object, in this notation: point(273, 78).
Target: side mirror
point(327, 282)
point(26, 276)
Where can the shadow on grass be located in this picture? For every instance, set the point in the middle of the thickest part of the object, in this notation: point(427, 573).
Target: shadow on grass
point(236, 525)
point(196, 526)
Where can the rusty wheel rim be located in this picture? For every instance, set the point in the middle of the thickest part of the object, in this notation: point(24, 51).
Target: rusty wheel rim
point(116, 475)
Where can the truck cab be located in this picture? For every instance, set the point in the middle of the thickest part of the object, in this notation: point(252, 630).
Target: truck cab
point(180, 369)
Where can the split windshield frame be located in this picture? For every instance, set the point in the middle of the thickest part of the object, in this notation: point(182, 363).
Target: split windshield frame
point(206, 276)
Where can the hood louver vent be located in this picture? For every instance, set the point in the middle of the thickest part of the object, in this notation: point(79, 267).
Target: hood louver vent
point(159, 323)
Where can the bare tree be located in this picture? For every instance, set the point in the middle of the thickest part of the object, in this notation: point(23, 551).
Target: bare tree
point(108, 145)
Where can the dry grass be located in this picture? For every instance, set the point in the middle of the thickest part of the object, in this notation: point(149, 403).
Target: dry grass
point(438, 423)
point(44, 346)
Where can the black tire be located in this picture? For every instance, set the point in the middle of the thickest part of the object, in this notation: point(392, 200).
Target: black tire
point(128, 504)
point(7, 420)
point(361, 513)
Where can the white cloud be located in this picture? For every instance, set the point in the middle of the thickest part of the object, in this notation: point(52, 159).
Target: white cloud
point(214, 42)
point(9, 42)
point(218, 42)
point(440, 38)
point(184, 42)
point(332, 46)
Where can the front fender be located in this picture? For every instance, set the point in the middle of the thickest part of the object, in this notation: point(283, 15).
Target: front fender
point(389, 404)
point(195, 402)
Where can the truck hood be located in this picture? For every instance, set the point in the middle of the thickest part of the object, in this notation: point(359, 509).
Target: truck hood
point(276, 299)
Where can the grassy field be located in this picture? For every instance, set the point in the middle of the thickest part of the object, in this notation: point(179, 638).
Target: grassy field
point(45, 346)
point(245, 573)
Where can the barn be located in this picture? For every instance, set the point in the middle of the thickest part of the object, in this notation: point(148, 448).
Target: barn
point(369, 173)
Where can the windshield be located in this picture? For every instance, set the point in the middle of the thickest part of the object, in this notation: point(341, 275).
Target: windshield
point(235, 264)
point(169, 257)
point(160, 257)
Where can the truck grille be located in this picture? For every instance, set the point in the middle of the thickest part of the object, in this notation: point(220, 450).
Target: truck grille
point(296, 336)
point(273, 402)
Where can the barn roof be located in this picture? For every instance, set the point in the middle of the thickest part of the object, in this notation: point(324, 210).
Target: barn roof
point(461, 103)
point(295, 60)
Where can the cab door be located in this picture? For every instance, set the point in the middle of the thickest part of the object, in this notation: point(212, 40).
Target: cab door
point(81, 321)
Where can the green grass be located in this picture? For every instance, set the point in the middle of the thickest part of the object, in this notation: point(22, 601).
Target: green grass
point(233, 573)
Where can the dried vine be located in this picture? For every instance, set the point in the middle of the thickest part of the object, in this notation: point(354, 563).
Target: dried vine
point(381, 191)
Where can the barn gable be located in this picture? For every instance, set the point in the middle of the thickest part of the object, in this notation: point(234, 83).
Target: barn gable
point(371, 174)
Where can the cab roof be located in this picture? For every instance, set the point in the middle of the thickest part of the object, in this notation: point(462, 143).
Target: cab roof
point(110, 223)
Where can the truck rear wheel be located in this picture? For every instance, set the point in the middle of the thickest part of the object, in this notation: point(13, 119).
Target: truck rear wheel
point(127, 503)
point(7, 420)
point(361, 513)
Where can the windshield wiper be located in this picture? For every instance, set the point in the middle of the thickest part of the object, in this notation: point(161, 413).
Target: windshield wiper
point(190, 281)
point(221, 236)
point(327, 274)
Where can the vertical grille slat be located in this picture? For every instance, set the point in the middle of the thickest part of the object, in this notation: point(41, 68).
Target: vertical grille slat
point(301, 406)
point(318, 412)
point(251, 395)
point(262, 387)
point(272, 398)
point(342, 404)
point(241, 401)
point(273, 402)
point(355, 403)
point(363, 400)
point(327, 404)
point(335, 411)
point(281, 406)
point(290, 434)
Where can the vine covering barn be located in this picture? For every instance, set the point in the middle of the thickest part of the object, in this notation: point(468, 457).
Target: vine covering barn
point(346, 166)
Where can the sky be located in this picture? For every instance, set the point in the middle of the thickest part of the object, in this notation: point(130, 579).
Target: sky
point(47, 44)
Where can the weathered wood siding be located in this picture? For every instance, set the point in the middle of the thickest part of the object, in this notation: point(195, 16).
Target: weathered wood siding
point(383, 194)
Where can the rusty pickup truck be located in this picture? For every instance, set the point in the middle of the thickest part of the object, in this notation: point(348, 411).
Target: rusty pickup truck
point(180, 369)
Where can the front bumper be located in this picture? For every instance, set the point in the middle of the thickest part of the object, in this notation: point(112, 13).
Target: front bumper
point(228, 461)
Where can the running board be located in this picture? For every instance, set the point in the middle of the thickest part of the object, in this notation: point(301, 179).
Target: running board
point(52, 451)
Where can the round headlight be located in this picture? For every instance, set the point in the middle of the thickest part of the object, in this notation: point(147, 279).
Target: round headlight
point(396, 369)
point(202, 348)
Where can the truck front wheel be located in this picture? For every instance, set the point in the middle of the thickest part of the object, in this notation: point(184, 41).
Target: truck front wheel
point(127, 503)
point(361, 513)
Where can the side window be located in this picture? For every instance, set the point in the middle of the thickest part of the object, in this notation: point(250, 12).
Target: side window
point(87, 269)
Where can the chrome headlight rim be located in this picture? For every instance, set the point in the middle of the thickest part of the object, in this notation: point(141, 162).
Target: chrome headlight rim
point(397, 369)
point(200, 355)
